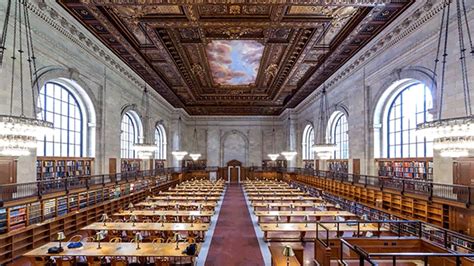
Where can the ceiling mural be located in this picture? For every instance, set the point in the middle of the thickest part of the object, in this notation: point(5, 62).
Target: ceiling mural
point(234, 62)
point(234, 58)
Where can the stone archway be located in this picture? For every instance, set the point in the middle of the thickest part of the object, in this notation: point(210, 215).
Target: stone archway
point(234, 170)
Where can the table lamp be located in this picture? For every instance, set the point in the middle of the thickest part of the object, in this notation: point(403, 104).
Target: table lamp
point(278, 220)
point(148, 199)
point(138, 238)
point(162, 219)
point(205, 198)
point(60, 237)
point(99, 236)
point(130, 206)
point(176, 238)
point(104, 218)
point(365, 217)
point(153, 207)
point(177, 208)
point(338, 206)
point(200, 208)
point(306, 219)
point(192, 220)
point(291, 207)
point(269, 207)
point(288, 252)
point(133, 218)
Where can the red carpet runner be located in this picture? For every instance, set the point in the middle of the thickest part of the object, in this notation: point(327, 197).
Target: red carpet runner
point(234, 242)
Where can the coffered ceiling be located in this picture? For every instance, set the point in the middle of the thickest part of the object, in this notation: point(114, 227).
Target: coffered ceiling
point(227, 57)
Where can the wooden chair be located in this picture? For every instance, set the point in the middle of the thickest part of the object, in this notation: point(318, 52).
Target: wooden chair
point(88, 239)
point(75, 238)
point(115, 240)
point(94, 261)
point(118, 262)
point(64, 261)
point(158, 240)
point(162, 262)
point(40, 261)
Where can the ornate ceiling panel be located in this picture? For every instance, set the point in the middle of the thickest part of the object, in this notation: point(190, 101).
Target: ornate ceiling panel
point(230, 57)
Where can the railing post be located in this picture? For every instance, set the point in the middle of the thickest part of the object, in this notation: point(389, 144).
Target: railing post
point(365, 180)
point(431, 192)
point(87, 182)
point(403, 187)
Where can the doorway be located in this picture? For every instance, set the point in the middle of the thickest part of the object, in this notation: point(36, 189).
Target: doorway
point(233, 171)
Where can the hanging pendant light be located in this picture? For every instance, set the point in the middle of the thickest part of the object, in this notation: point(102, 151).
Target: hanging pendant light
point(323, 150)
point(453, 137)
point(179, 155)
point(273, 156)
point(289, 154)
point(195, 155)
point(145, 150)
point(18, 133)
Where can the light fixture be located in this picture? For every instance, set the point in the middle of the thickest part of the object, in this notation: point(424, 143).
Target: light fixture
point(99, 236)
point(273, 156)
point(60, 237)
point(179, 155)
point(138, 238)
point(288, 252)
point(19, 134)
point(452, 137)
point(146, 149)
point(323, 150)
point(289, 154)
point(195, 154)
point(104, 218)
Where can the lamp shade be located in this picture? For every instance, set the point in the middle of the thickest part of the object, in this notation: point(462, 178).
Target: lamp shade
point(99, 236)
point(60, 236)
point(179, 155)
point(195, 156)
point(289, 155)
point(104, 217)
point(288, 251)
point(273, 156)
point(130, 205)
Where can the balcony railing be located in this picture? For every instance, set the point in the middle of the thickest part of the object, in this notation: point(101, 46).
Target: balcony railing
point(457, 193)
point(9, 192)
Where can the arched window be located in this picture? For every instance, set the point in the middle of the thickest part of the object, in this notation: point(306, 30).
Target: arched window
point(338, 129)
point(160, 141)
point(308, 141)
point(63, 108)
point(130, 134)
point(407, 109)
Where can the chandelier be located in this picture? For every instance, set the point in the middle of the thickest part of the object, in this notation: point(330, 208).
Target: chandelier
point(289, 155)
point(145, 150)
point(273, 156)
point(323, 150)
point(195, 155)
point(179, 155)
point(452, 137)
point(18, 133)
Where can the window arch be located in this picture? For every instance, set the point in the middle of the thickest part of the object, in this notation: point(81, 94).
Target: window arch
point(338, 134)
point(307, 143)
point(406, 109)
point(71, 112)
point(130, 133)
point(160, 141)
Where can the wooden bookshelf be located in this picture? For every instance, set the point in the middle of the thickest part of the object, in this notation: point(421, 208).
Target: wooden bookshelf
point(159, 164)
point(418, 168)
point(191, 164)
point(17, 242)
point(341, 166)
point(276, 163)
point(308, 164)
point(130, 165)
point(58, 167)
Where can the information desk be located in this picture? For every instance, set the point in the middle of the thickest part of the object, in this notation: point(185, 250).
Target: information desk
point(316, 214)
point(147, 227)
point(89, 249)
point(303, 228)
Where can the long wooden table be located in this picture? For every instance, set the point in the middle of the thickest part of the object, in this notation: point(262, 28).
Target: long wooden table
point(275, 194)
point(170, 204)
point(293, 199)
point(191, 198)
point(315, 214)
point(98, 226)
point(89, 249)
point(303, 228)
point(184, 193)
point(280, 205)
point(166, 213)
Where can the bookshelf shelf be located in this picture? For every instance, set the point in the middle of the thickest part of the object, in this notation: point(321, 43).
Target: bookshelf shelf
point(418, 168)
point(58, 167)
point(341, 166)
point(130, 165)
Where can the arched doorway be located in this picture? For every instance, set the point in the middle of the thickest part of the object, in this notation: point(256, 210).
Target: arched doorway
point(233, 171)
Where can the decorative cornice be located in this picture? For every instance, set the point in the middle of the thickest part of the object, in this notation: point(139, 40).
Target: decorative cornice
point(404, 28)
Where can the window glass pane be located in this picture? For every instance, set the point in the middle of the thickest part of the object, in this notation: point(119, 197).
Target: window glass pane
point(408, 109)
point(61, 108)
